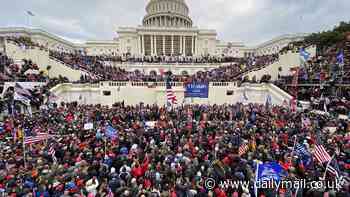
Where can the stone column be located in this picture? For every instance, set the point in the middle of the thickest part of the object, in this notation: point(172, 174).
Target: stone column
point(172, 44)
point(163, 45)
point(184, 45)
point(140, 44)
point(192, 45)
point(151, 44)
point(155, 45)
point(195, 44)
point(143, 45)
point(180, 44)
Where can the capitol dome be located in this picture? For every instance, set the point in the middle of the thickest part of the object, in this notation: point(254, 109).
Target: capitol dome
point(167, 13)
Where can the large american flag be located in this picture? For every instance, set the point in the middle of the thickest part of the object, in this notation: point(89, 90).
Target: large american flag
point(37, 138)
point(320, 152)
point(170, 95)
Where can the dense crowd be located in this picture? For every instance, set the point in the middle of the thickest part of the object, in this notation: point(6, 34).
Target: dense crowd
point(102, 67)
point(25, 70)
point(24, 42)
point(97, 68)
point(325, 75)
point(172, 157)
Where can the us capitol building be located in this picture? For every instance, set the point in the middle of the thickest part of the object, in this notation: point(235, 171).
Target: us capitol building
point(167, 29)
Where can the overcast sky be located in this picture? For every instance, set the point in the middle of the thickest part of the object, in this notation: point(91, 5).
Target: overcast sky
point(249, 21)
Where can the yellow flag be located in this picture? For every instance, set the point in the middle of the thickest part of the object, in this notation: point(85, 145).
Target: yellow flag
point(20, 133)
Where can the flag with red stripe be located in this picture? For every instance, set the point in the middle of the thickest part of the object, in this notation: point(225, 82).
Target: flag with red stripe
point(37, 138)
point(170, 94)
point(243, 149)
point(320, 152)
point(333, 168)
point(52, 152)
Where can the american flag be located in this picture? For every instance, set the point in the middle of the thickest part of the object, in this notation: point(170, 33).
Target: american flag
point(333, 168)
point(22, 94)
point(37, 138)
point(52, 152)
point(320, 152)
point(170, 95)
point(243, 149)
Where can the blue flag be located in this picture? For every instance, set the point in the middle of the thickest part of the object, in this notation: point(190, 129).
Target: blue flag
point(269, 171)
point(111, 132)
point(304, 155)
point(340, 57)
point(304, 56)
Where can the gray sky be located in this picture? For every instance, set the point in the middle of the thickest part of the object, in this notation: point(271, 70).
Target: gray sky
point(249, 21)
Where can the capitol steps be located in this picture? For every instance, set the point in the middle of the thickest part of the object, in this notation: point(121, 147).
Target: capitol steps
point(42, 59)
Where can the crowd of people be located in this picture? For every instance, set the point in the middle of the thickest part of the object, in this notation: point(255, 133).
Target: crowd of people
point(147, 150)
point(24, 42)
point(97, 68)
point(102, 67)
point(25, 70)
point(325, 75)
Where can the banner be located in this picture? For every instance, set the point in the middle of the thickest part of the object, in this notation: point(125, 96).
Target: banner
point(199, 90)
point(88, 126)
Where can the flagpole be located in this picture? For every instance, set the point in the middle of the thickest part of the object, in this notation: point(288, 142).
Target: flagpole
point(295, 142)
point(24, 150)
point(256, 179)
point(325, 172)
point(105, 146)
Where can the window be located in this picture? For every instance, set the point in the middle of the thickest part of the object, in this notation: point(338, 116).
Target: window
point(106, 93)
point(229, 93)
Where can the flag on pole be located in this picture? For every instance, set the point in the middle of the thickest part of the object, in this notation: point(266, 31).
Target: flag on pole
point(171, 97)
point(111, 132)
point(38, 138)
point(52, 152)
point(243, 149)
point(30, 13)
point(304, 56)
point(320, 152)
point(303, 154)
point(333, 168)
point(22, 94)
point(340, 57)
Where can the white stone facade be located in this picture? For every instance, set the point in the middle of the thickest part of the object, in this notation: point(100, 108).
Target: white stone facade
point(166, 29)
